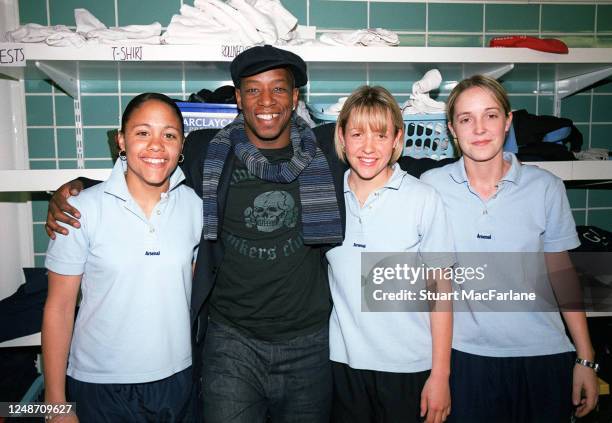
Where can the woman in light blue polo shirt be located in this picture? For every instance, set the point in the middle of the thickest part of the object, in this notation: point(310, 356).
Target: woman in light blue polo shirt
point(514, 366)
point(128, 355)
point(387, 366)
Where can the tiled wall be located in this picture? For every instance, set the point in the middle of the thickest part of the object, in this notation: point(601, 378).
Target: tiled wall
point(50, 120)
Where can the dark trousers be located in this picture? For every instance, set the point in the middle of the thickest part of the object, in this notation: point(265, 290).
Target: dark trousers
point(365, 396)
point(511, 389)
point(246, 380)
point(166, 400)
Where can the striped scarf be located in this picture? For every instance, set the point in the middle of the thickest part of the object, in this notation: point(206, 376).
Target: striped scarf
point(321, 222)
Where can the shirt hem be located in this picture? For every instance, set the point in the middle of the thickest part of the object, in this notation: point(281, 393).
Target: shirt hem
point(516, 352)
point(126, 377)
point(414, 367)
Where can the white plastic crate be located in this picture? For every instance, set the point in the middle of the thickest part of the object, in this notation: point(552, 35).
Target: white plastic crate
point(424, 135)
point(427, 136)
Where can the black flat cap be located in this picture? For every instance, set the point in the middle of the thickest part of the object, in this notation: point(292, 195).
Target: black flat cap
point(262, 58)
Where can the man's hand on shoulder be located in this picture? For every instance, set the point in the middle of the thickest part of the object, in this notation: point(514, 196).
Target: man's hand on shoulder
point(61, 211)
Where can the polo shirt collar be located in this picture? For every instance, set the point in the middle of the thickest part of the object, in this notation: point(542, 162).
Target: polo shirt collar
point(394, 181)
point(116, 184)
point(457, 170)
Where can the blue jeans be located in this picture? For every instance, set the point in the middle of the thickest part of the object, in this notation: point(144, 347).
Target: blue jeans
point(249, 380)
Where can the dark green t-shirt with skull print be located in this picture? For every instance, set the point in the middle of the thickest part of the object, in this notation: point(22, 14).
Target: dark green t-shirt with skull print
point(270, 285)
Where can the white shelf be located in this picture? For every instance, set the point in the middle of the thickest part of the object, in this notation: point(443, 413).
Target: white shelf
point(194, 53)
point(44, 180)
point(580, 68)
point(49, 180)
point(579, 170)
point(24, 341)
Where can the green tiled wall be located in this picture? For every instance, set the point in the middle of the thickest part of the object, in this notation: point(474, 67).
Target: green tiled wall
point(50, 112)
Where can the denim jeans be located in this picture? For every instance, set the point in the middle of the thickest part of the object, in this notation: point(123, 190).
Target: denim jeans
point(246, 380)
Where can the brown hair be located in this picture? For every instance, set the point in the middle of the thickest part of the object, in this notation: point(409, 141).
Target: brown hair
point(370, 107)
point(482, 81)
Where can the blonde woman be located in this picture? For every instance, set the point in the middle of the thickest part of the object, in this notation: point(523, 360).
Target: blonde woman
point(387, 367)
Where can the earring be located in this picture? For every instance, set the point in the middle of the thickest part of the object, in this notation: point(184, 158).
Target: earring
point(123, 155)
point(181, 158)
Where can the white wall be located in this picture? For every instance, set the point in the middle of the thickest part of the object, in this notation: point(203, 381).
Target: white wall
point(16, 245)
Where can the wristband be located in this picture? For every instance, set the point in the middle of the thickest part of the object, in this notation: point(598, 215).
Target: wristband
point(586, 363)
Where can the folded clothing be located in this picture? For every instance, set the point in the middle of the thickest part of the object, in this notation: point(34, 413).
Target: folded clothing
point(422, 104)
point(93, 29)
point(593, 154)
point(362, 37)
point(548, 45)
point(243, 22)
point(57, 35)
point(419, 101)
point(21, 313)
point(533, 129)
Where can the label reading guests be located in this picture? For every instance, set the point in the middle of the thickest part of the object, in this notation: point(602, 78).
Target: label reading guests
point(12, 56)
point(127, 53)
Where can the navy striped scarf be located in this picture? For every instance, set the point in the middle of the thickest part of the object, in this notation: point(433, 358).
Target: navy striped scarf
point(321, 222)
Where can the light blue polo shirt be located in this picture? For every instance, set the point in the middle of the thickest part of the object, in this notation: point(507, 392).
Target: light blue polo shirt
point(405, 215)
point(133, 322)
point(529, 213)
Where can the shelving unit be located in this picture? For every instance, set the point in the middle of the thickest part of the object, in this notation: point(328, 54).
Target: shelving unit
point(49, 180)
point(67, 66)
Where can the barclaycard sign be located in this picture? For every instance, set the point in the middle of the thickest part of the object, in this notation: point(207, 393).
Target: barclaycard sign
point(202, 115)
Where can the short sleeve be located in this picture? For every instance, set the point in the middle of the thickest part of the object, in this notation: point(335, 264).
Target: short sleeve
point(560, 233)
point(67, 255)
point(437, 243)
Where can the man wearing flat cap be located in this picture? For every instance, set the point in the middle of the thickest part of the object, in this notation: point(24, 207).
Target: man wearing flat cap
point(273, 204)
point(260, 286)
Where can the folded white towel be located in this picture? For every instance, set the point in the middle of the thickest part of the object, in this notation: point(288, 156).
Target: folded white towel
point(284, 21)
point(362, 37)
point(262, 22)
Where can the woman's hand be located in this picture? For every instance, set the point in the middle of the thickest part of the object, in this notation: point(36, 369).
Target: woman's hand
point(435, 399)
point(585, 390)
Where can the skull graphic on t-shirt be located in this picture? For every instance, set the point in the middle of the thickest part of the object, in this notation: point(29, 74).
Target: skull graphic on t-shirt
point(271, 211)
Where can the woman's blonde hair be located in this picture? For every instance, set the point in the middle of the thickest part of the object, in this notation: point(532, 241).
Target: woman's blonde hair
point(370, 107)
point(481, 81)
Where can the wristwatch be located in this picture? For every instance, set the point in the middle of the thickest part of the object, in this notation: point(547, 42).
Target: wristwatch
point(586, 363)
